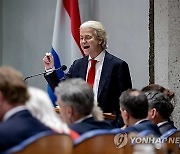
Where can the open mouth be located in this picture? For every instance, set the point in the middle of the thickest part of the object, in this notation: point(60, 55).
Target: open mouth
point(86, 47)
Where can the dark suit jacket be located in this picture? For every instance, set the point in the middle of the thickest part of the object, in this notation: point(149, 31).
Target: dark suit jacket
point(115, 78)
point(17, 128)
point(90, 124)
point(144, 125)
point(166, 126)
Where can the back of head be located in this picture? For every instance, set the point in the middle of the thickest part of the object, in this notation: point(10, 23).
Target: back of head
point(135, 103)
point(161, 103)
point(99, 29)
point(41, 107)
point(156, 87)
point(12, 86)
point(76, 93)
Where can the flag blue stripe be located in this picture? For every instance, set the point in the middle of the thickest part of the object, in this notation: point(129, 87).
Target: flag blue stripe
point(60, 74)
point(57, 63)
point(51, 95)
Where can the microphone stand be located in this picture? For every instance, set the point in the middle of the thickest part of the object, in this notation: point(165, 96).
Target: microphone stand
point(36, 75)
point(63, 68)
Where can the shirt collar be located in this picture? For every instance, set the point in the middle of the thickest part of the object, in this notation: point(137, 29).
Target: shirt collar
point(100, 57)
point(161, 123)
point(80, 120)
point(142, 120)
point(11, 112)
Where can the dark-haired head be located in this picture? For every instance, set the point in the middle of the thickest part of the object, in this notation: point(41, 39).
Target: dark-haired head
point(161, 103)
point(135, 103)
point(156, 87)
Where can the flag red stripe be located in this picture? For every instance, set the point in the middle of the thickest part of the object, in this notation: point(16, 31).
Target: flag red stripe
point(72, 8)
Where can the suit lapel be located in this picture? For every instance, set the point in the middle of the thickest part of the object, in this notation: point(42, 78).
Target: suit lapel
point(106, 70)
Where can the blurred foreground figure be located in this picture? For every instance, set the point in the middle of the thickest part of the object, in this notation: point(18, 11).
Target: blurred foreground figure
point(17, 123)
point(41, 107)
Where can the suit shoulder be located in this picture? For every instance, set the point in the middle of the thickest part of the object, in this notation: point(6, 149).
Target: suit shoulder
point(115, 59)
point(79, 62)
point(130, 129)
point(82, 58)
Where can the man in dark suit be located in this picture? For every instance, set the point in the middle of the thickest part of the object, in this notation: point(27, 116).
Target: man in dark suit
point(134, 111)
point(16, 122)
point(76, 100)
point(160, 109)
point(112, 75)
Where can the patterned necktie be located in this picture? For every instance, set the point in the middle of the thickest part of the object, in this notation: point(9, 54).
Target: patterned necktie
point(91, 73)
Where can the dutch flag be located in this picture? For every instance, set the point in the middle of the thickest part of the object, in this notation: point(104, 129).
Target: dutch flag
point(65, 42)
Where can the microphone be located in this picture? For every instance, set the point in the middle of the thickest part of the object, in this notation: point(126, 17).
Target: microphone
point(63, 68)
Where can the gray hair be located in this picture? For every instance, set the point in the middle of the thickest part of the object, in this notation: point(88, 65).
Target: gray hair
point(99, 29)
point(76, 93)
point(41, 108)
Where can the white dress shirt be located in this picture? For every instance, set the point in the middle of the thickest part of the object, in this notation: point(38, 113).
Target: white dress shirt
point(98, 70)
point(86, 117)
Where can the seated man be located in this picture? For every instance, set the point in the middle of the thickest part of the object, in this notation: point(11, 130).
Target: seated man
point(76, 100)
point(16, 122)
point(160, 109)
point(134, 110)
